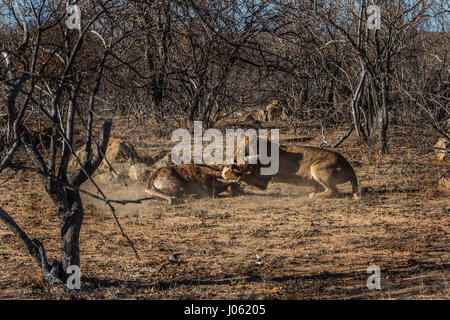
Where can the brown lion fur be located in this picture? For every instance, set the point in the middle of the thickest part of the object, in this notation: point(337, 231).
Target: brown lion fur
point(318, 167)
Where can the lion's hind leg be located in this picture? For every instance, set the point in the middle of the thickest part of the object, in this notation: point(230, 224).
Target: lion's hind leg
point(323, 177)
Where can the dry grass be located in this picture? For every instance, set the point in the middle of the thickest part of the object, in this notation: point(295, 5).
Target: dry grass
point(310, 249)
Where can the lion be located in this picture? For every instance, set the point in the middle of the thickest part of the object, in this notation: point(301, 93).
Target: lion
point(273, 111)
point(323, 169)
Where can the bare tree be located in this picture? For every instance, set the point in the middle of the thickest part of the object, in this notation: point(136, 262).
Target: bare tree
point(51, 74)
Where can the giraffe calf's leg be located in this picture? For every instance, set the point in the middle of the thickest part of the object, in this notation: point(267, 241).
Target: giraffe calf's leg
point(158, 194)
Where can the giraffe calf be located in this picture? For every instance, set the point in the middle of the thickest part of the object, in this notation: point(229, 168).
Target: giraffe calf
point(175, 181)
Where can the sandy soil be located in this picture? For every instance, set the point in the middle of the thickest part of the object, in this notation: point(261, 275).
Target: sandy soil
point(309, 249)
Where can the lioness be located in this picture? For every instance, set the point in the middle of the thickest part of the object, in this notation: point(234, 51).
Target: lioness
point(322, 168)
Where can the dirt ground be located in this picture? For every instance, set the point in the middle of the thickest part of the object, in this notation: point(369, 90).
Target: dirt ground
point(309, 248)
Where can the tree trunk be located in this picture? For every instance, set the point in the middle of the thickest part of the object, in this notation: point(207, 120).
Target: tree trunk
point(381, 128)
point(71, 221)
point(355, 114)
point(382, 119)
